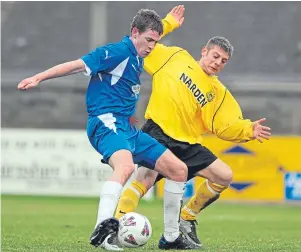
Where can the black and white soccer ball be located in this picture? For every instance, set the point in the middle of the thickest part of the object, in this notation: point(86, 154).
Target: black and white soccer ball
point(134, 230)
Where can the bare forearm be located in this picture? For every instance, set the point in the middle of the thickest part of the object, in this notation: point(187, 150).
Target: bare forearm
point(60, 70)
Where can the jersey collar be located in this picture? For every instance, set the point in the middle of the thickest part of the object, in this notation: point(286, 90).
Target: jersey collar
point(129, 43)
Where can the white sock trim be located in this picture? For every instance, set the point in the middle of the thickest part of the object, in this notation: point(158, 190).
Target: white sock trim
point(210, 188)
point(174, 187)
point(190, 211)
point(135, 191)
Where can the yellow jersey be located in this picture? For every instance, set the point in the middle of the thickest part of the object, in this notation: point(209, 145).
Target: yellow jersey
point(186, 102)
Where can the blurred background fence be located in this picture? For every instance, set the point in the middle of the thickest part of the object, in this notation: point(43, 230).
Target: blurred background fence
point(264, 73)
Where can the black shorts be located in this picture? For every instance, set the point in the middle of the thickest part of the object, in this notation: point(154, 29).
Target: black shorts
point(195, 156)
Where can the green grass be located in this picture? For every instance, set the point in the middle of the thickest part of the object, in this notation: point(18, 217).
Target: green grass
point(39, 224)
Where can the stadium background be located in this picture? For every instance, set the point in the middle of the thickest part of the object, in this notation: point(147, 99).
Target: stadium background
point(264, 75)
point(45, 151)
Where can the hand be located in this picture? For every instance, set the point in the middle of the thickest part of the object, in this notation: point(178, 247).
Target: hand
point(260, 131)
point(178, 13)
point(28, 83)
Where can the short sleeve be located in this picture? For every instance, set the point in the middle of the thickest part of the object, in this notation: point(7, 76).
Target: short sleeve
point(101, 59)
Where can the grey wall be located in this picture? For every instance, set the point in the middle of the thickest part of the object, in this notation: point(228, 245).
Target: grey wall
point(264, 73)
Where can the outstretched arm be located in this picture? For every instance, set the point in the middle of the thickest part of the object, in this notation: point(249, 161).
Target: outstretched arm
point(91, 63)
point(244, 130)
point(64, 69)
point(173, 20)
point(228, 123)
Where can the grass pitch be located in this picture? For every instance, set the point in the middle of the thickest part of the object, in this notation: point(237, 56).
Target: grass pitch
point(42, 224)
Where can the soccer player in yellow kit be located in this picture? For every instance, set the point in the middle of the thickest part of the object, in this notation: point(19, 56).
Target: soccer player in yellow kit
point(188, 101)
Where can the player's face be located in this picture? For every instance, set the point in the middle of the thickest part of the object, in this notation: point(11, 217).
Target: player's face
point(214, 59)
point(145, 42)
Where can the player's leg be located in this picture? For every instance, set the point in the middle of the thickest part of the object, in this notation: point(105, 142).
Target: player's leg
point(153, 155)
point(145, 178)
point(169, 165)
point(123, 166)
point(122, 163)
point(129, 199)
point(218, 177)
point(196, 157)
point(115, 150)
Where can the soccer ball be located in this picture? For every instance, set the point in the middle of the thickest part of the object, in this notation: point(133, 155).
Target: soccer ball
point(134, 230)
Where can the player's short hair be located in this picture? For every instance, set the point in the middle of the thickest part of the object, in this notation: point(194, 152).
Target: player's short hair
point(147, 19)
point(222, 43)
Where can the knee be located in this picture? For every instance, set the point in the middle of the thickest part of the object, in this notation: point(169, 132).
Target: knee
point(218, 172)
point(171, 167)
point(124, 172)
point(128, 169)
point(226, 176)
point(179, 173)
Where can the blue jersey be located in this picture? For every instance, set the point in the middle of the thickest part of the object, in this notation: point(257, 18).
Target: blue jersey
point(114, 85)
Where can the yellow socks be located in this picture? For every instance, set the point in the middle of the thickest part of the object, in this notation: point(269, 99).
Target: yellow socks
point(206, 194)
point(129, 199)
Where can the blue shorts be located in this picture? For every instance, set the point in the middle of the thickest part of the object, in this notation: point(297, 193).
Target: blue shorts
point(109, 133)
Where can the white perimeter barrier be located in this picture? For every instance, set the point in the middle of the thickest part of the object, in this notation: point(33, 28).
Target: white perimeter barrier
point(51, 162)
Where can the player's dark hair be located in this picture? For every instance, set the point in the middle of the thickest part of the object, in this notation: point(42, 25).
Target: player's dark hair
point(147, 19)
point(222, 43)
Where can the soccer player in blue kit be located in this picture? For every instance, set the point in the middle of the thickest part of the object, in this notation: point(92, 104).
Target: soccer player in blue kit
point(111, 100)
